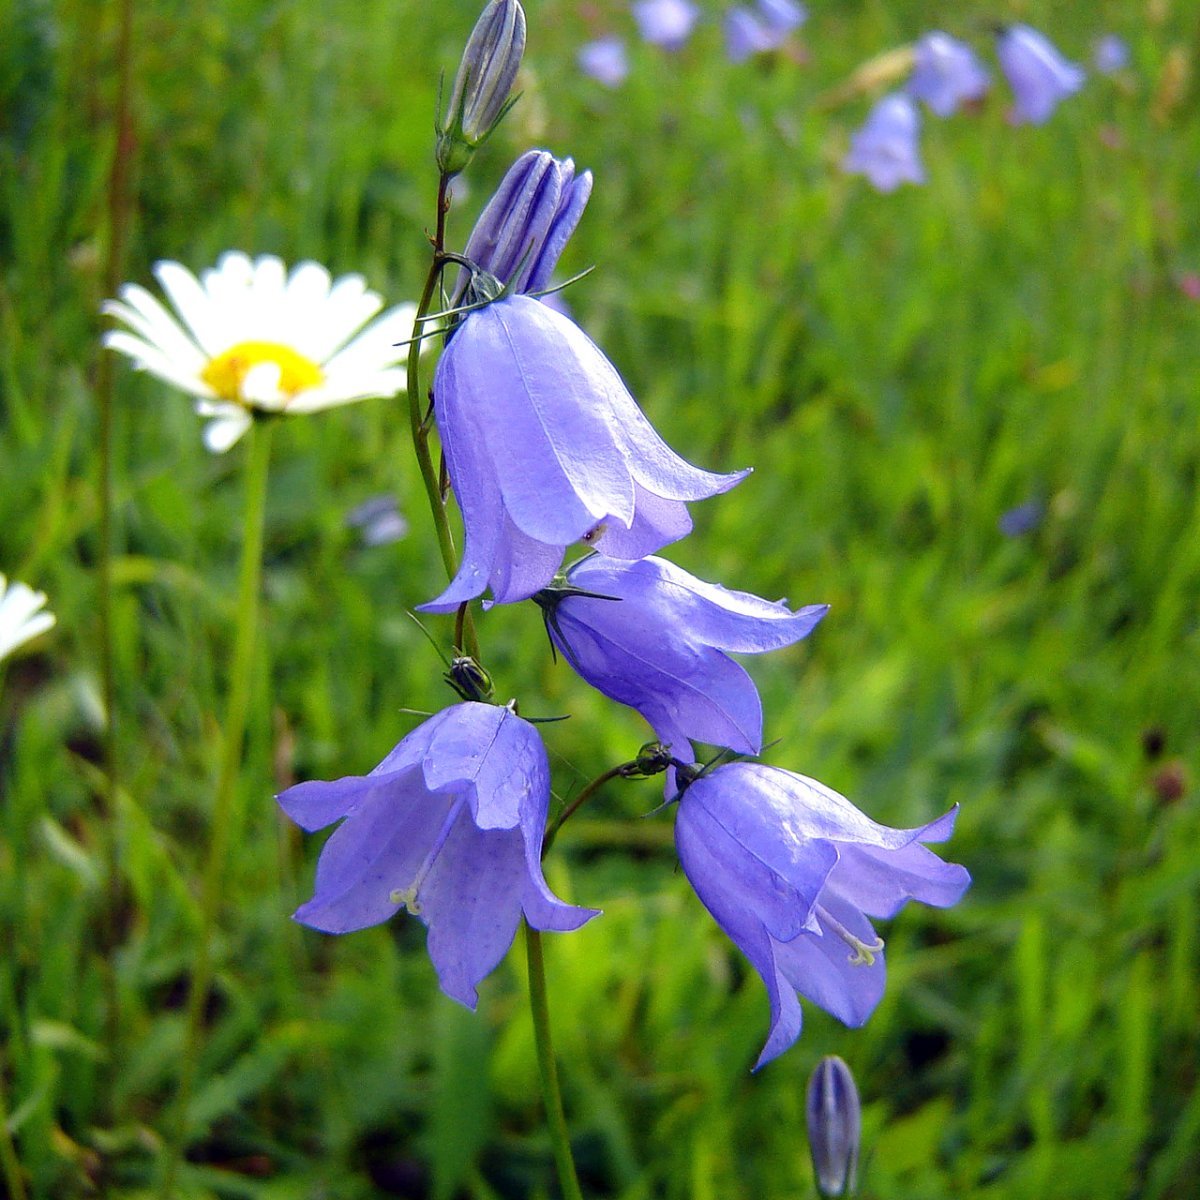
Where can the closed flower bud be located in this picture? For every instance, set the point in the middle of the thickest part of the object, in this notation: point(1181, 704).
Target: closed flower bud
point(480, 97)
point(834, 1126)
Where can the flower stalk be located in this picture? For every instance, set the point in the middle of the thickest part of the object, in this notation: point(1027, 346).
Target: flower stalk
point(225, 817)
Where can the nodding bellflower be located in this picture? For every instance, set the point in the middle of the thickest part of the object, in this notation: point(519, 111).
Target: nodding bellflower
point(886, 148)
point(450, 827)
point(658, 645)
point(758, 31)
point(525, 226)
point(1038, 74)
point(946, 73)
point(545, 447)
point(605, 61)
point(792, 871)
point(666, 23)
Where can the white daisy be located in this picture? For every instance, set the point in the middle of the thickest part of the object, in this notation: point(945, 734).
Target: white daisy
point(249, 335)
point(20, 618)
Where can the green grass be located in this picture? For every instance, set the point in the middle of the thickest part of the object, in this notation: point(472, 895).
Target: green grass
point(899, 370)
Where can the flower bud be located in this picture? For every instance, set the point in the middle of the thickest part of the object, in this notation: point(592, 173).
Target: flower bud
point(470, 680)
point(834, 1127)
point(485, 77)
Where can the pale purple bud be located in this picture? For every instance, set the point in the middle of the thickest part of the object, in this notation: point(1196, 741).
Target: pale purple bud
point(834, 1127)
point(480, 96)
point(1037, 73)
point(886, 149)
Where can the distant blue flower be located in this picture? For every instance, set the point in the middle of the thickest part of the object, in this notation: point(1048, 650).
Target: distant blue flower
point(525, 226)
point(791, 871)
point(658, 645)
point(605, 61)
point(450, 827)
point(546, 447)
point(886, 149)
point(1110, 54)
point(665, 23)
point(946, 73)
point(378, 520)
point(757, 31)
point(1025, 518)
point(1037, 73)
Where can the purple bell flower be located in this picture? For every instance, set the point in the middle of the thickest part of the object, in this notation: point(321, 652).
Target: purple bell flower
point(946, 73)
point(605, 61)
point(749, 31)
point(791, 871)
point(886, 148)
point(1037, 73)
point(781, 16)
point(658, 646)
point(450, 827)
point(525, 226)
point(1110, 54)
point(665, 23)
point(545, 447)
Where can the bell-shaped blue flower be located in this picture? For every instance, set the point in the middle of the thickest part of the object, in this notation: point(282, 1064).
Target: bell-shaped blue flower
point(665, 23)
point(604, 60)
point(545, 447)
point(1038, 74)
point(946, 73)
point(792, 871)
point(525, 226)
point(886, 149)
point(762, 29)
point(658, 644)
point(450, 827)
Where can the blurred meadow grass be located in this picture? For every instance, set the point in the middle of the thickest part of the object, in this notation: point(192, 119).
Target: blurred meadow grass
point(900, 370)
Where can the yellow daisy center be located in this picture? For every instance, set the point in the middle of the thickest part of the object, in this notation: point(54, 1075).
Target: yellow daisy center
point(226, 373)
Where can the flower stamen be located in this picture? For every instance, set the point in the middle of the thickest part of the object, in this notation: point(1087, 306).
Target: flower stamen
point(409, 897)
point(864, 952)
point(226, 374)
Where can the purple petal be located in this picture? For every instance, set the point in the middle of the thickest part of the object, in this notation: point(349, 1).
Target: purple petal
point(656, 523)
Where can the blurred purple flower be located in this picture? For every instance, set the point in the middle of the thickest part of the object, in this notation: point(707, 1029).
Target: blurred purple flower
point(946, 73)
point(657, 644)
point(1025, 518)
point(546, 446)
point(1110, 54)
point(450, 827)
point(756, 31)
point(605, 61)
point(1037, 73)
point(378, 520)
point(791, 871)
point(886, 148)
point(665, 23)
point(525, 226)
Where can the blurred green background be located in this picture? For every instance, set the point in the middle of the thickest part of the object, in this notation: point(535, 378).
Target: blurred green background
point(900, 370)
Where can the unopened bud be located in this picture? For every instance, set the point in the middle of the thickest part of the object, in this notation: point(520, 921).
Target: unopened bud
point(470, 680)
point(834, 1127)
point(485, 77)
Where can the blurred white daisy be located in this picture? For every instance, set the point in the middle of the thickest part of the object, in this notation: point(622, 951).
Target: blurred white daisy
point(21, 617)
point(248, 335)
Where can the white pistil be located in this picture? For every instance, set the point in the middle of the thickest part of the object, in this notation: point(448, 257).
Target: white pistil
point(409, 897)
point(864, 952)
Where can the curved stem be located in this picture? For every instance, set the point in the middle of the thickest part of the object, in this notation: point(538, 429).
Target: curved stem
point(225, 816)
point(584, 796)
point(556, 1121)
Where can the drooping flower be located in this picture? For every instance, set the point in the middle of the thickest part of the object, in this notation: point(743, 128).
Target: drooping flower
point(834, 1118)
point(480, 95)
point(658, 645)
point(545, 447)
point(886, 149)
point(791, 871)
point(1038, 74)
point(759, 30)
point(605, 61)
point(525, 226)
point(946, 73)
point(450, 827)
point(378, 520)
point(1110, 54)
point(21, 615)
point(249, 336)
point(665, 23)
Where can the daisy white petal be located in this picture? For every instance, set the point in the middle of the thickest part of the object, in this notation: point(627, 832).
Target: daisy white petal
point(380, 344)
point(150, 358)
point(192, 304)
point(147, 317)
point(21, 617)
point(226, 429)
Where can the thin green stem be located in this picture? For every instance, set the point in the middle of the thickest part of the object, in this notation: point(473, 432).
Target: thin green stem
point(225, 816)
point(556, 1121)
point(584, 796)
point(10, 1164)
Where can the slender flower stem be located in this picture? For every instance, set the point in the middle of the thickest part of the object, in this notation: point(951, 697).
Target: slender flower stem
point(10, 1164)
point(621, 771)
point(551, 1095)
point(225, 815)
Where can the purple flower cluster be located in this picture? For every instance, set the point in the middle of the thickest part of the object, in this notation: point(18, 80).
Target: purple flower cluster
point(545, 449)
